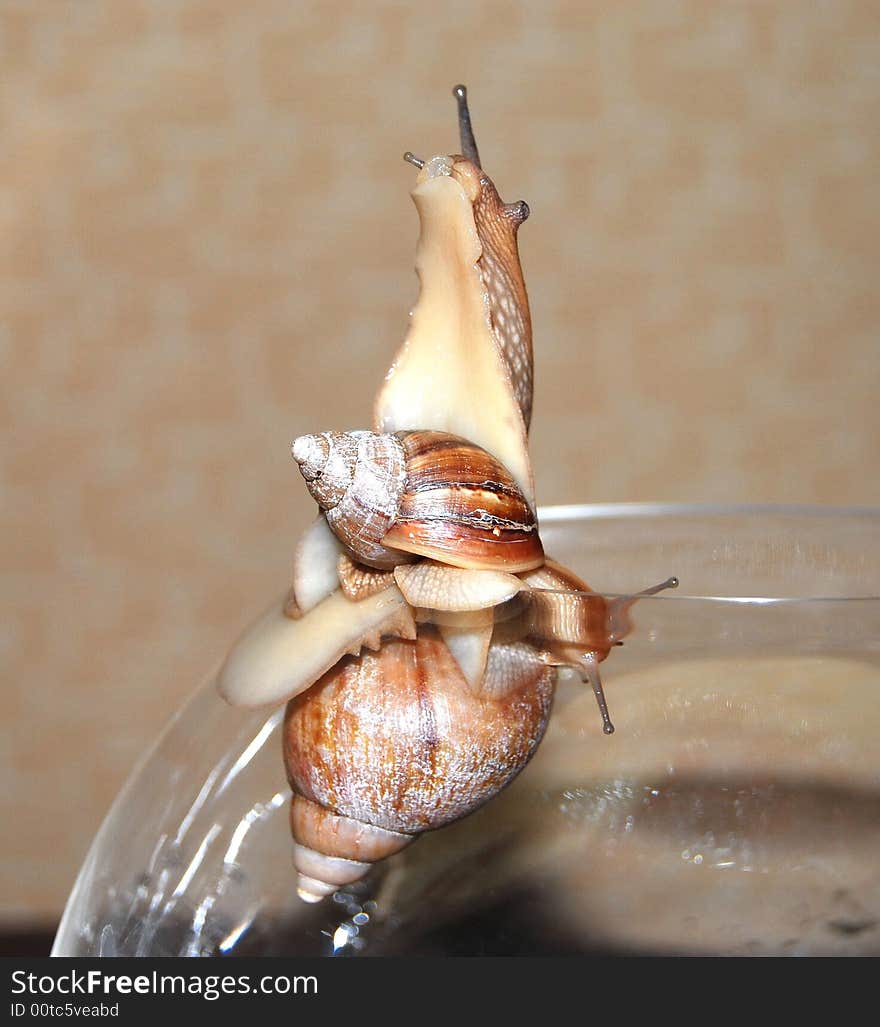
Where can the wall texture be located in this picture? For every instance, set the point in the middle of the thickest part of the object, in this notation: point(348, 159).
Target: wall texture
point(206, 247)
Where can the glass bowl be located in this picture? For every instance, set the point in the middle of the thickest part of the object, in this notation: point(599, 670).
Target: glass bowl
point(736, 809)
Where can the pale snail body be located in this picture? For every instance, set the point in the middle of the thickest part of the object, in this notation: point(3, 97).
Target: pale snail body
point(455, 371)
point(391, 496)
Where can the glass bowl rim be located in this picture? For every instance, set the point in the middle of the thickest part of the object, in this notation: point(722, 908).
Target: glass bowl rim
point(559, 513)
point(583, 511)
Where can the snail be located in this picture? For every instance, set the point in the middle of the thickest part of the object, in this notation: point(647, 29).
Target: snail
point(433, 494)
point(397, 742)
point(418, 647)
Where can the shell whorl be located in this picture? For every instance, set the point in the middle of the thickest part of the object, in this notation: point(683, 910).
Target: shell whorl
point(327, 463)
point(392, 497)
point(462, 507)
point(357, 478)
point(332, 850)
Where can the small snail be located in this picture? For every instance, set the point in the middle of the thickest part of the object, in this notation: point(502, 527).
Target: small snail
point(428, 493)
point(418, 646)
point(572, 626)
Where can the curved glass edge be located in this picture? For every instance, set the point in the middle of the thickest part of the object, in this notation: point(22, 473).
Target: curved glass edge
point(816, 553)
point(90, 863)
point(589, 511)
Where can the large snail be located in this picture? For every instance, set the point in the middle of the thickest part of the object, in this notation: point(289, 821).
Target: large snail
point(418, 647)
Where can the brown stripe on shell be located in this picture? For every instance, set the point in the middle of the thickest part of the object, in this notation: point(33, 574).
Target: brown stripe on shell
point(470, 546)
point(460, 506)
point(435, 458)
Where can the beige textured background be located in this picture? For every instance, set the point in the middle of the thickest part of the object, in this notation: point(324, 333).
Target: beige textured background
point(206, 246)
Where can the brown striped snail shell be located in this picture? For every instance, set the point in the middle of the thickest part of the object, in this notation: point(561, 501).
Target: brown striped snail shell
point(389, 497)
point(398, 742)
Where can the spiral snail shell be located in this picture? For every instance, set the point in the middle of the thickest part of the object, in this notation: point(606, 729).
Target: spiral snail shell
point(395, 743)
point(390, 496)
